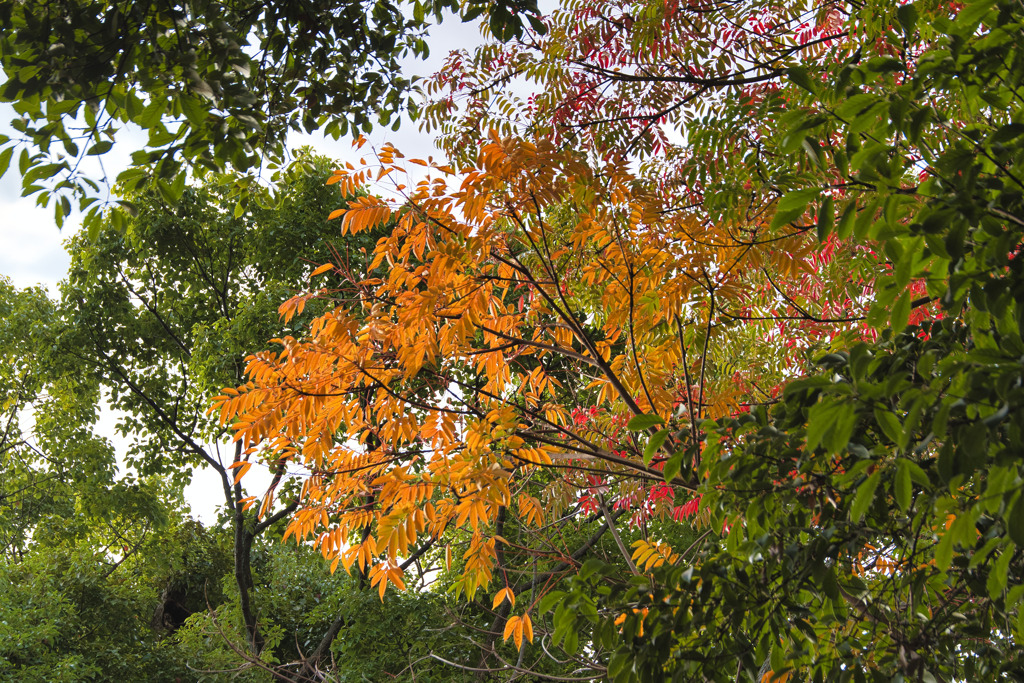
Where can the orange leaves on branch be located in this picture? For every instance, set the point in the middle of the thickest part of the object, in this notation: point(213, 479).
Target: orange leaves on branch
point(383, 574)
point(320, 270)
point(648, 555)
point(519, 628)
point(292, 307)
point(496, 302)
point(530, 510)
point(363, 213)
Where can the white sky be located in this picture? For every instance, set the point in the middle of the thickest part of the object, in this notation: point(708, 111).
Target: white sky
point(32, 253)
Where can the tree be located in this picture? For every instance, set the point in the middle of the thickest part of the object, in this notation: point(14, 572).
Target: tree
point(57, 476)
point(76, 609)
point(885, 538)
point(159, 313)
point(299, 601)
point(508, 327)
point(555, 313)
point(77, 590)
point(151, 318)
point(213, 85)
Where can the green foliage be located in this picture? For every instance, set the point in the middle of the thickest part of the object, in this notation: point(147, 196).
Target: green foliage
point(212, 85)
point(57, 477)
point(69, 612)
point(300, 599)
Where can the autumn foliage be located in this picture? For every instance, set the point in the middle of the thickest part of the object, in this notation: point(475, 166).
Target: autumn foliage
point(515, 316)
point(582, 319)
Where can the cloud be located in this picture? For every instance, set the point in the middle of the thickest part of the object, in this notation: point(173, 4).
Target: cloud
point(31, 246)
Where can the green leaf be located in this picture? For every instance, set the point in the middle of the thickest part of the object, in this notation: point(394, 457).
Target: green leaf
point(971, 14)
point(797, 199)
point(590, 567)
point(900, 312)
point(907, 16)
point(885, 65)
point(43, 171)
point(846, 221)
point(101, 147)
point(889, 423)
point(617, 664)
point(996, 581)
point(830, 423)
point(944, 551)
point(673, 465)
point(865, 494)
point(572, 640)
point(826, 218)
point(1015, 521)
point(193, 108)
point(1007, 132)
point(801, 77)
point(856, 105)
point(902, 488)
point(917, 474)
point(644, 422)
point(5, 159)
point(793, 205)
point(167, 192)
point(654, 444)
point(549, 601)
point(777, 657)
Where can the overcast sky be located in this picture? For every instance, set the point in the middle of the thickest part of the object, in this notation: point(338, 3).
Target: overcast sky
point(31, 246)
point(32, 251)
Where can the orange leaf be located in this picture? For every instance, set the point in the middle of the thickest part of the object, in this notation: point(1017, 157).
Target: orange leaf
point(502, 595)
point(514, 629)
point(242, 467)
point(321, 270)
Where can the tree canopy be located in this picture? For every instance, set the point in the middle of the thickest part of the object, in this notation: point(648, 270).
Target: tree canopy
point(799, 323)
point(212, 86)
point(700, 359)
point(104, 574)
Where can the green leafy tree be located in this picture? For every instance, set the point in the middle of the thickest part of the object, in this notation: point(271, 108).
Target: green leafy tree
point(66, 615)
point(160, 312)
point(212, 85)
point(86, 609)
point(300, 600)
point(87, 549)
